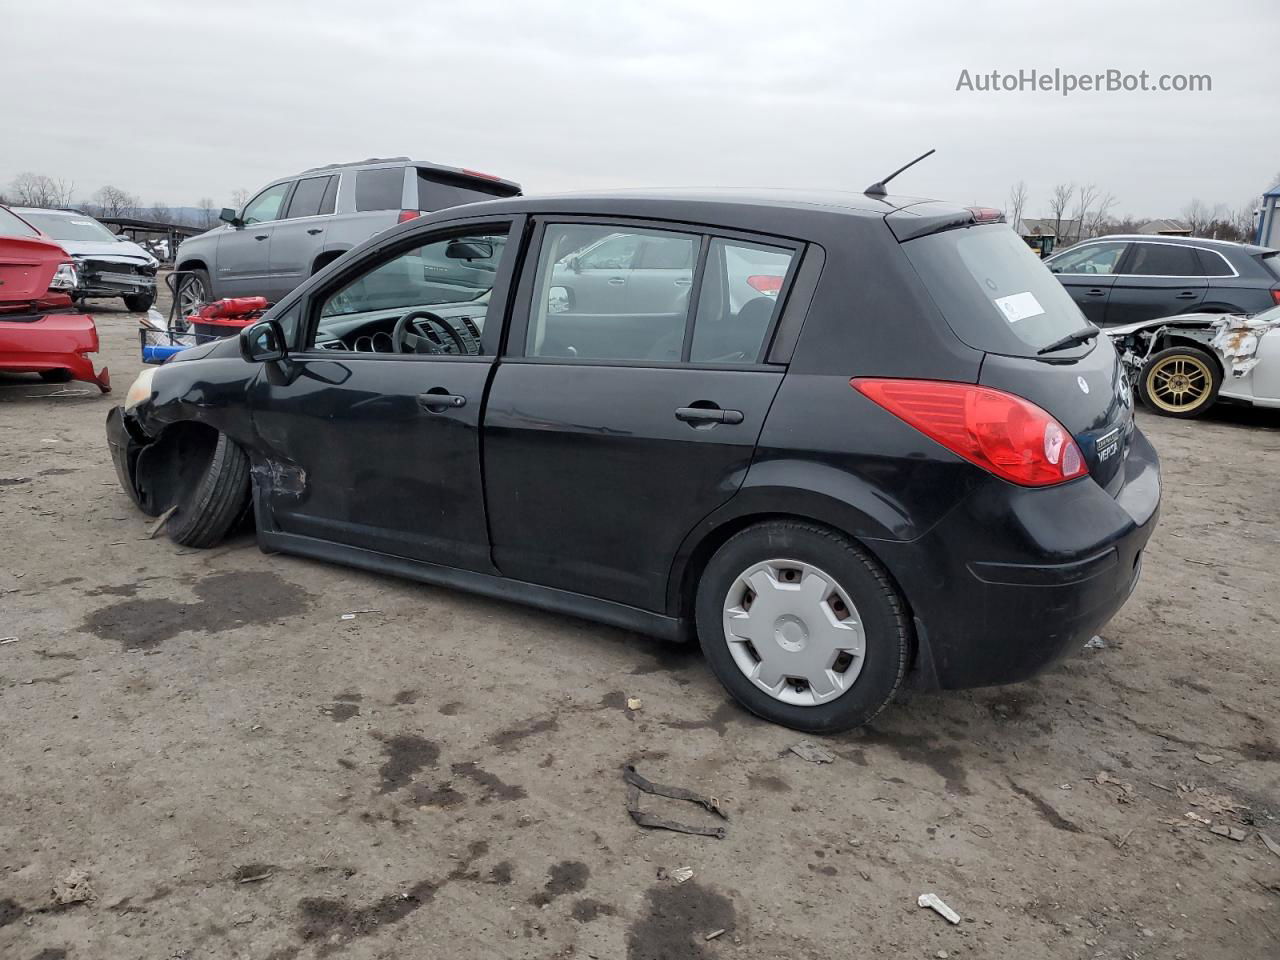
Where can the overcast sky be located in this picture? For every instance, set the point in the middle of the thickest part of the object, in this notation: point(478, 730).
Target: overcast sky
point(174, 100)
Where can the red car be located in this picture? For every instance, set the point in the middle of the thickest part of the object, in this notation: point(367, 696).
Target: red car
point(40, 331)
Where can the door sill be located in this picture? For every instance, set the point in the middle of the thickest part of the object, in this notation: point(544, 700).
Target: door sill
point(500, 588)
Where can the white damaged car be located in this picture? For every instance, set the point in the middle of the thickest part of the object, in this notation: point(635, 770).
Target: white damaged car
point(1180, 366)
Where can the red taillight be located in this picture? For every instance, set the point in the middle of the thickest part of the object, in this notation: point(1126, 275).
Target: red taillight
point(1000, 432)
point(985, 214)
point(480, 174)
point(1275, 295)
point(407, 215)
point(766, 283)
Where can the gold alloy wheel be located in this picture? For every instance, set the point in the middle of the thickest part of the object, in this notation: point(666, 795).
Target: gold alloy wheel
point(1179, 384)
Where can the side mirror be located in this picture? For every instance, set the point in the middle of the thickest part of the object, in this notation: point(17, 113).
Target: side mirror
point(121, 238)
point(263, 342)
point(229, 216)
point(469, 250)
point(574, 264)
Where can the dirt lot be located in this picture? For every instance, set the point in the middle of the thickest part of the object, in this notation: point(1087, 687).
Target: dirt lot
point(243, 773)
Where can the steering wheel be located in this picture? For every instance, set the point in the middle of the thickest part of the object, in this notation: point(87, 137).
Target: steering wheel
point(423, 339)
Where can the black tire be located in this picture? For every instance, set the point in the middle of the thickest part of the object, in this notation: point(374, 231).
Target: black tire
point(883, 614)
point(197, 276)
point(55, 376)
point(139, 302)
point(211, 507)
point(1200, 361)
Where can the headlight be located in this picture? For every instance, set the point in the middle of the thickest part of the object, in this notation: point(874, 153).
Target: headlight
point(65, 277)
point(141, 389)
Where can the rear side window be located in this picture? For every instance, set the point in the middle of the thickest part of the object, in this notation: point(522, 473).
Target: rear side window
point(1162, 260)
point(309, 197)
point(436, 192)
point(738, 301)
point(993, 291)
point(11, 225)
point(1272, 262)
point(380, 189)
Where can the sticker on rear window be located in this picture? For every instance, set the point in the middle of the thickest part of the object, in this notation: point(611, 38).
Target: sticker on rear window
point(1019, 306)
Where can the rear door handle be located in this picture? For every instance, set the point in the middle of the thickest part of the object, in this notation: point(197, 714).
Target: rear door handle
point(1097, 292)
point(314, 230)
point(438, 402)
point(262, 236)
point(708, 415)
point(617, 281)
point(683, 282)
point(1187, 295)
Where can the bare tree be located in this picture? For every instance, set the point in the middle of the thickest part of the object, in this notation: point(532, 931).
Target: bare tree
point(1059, 200)
point(239, 198)
point(160, 212)
point(115, 202)
point(1100, 218)
point(207, 217)
point(1016, 204)
point(38, 190)
point(1196, 216)
point(1086, 197)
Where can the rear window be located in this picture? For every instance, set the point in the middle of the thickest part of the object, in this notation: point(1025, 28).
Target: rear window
point(993, 290)
point(11, 225)
point(380, 189)
point(1272, 262)
point(436, 192)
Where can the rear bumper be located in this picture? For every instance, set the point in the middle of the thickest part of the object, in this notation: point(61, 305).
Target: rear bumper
point(53, 341)
point(1013, 578)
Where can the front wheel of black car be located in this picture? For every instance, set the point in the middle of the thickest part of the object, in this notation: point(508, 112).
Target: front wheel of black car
point(139, 302)
point(1180, 381)
point(802, 626)
point(213, 491)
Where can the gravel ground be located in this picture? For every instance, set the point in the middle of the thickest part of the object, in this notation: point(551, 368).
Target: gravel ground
point(200, 743)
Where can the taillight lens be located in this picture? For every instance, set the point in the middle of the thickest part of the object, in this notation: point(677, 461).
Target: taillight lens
point(407, 215)
point(1000, 432)
point(766, 283)
point(1275, 295)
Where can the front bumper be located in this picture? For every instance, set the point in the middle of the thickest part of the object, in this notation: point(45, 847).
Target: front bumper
point(1015, 578)
point(52, 341)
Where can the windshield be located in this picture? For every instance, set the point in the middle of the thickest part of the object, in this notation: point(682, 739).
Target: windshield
point(63, 227)
point(994, 291)
point(11, 225)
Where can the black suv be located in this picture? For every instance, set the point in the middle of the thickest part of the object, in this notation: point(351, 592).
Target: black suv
point(1130, 279)
point(849, 442)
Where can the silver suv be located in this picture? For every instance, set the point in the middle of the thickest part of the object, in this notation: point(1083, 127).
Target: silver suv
point(295, 226)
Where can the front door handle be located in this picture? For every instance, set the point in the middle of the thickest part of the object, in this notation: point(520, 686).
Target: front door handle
point(314, 230)
point(709, 414)
point(1096, 292)
point(436, 400)
point(683, 282)
point(617, 281)
point(262, 236)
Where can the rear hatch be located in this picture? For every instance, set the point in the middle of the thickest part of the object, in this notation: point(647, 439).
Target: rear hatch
point(27, 266)
point(439, 188)
point(998, 297)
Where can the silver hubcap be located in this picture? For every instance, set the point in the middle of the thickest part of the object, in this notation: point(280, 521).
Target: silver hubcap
point(793, 632)
point(190, 296)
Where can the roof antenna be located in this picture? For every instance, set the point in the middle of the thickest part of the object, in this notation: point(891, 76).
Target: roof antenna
point(877, 188)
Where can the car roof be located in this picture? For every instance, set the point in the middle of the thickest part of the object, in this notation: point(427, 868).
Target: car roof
point(1248, 248)
point(56, 211)
point(459, 172)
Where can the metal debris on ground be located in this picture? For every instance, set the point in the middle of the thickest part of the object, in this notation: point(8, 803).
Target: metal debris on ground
point(71, 888)
point(161, 521)
point(934, 903)
point(633, 703)
point(1209, 758)
point(808, 750)
point(681, 874)
point(637, 784)
point(255, 878)
point(8, 640)
point(714, 933)
point(1269, 843)
point(1097, 643)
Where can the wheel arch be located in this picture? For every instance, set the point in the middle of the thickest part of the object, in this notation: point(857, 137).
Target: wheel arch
point(1174, 338)
point(193, 263)
point(324, 258)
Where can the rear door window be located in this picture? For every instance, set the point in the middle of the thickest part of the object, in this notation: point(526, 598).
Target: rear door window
point(993, 291)
point(738, 301)
point(309, 197)
point(379, 189)
point(1161, 260)
point(436, 192)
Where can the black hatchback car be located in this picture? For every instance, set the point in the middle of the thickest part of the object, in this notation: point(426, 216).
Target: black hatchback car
point(848, 442)
point(1119, 280)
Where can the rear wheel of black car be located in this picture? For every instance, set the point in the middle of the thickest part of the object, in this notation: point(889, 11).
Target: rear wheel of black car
point(213, 496)
point(1180, 381)
point(139, 302)
point(802, 626)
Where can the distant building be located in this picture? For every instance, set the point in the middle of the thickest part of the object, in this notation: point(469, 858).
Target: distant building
point(1043, 235)
point(1268, 234)
point(1165, 228)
